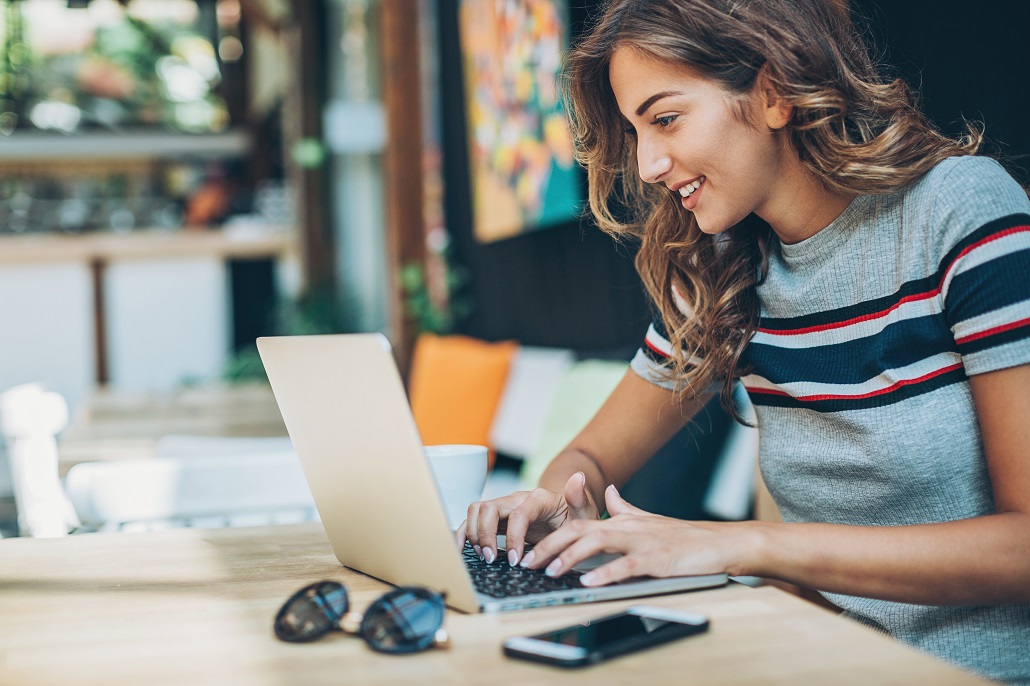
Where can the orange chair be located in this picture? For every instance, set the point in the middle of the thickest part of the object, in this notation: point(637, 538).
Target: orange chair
point(455, 387)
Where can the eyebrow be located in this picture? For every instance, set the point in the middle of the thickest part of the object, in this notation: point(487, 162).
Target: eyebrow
point(653, 99)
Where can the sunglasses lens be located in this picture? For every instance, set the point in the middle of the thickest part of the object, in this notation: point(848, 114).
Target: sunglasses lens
point(311, 612)
point(404, 620)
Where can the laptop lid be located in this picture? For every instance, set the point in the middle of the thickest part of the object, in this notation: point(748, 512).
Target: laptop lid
point(344, 405)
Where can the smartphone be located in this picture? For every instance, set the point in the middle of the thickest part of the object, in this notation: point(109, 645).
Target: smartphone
point(583, 644)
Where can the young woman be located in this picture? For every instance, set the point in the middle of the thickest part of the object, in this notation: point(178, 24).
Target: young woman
point(804, 230)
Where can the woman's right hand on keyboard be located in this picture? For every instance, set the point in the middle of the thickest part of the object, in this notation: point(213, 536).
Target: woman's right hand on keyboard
point(524, 516)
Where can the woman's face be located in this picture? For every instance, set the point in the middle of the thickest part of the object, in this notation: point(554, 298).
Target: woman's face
point(691, 138)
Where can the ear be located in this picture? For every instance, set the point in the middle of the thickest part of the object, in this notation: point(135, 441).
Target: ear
point(775, 110)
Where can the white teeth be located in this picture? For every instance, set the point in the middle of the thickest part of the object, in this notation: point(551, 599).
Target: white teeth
point(689, 189)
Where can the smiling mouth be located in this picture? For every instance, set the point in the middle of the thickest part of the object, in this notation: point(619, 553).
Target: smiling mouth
point(689, 189)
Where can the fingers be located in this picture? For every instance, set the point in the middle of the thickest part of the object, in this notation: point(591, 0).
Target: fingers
point(539, 504)
point(488, 521)
point(520, 511)
point(547, 550)
point(619, 569)
point(579, 539)
point(472, 527)
point(515, 536)
point(578, 499)
point(595, 538)
point(484, 521)
point(616, 505)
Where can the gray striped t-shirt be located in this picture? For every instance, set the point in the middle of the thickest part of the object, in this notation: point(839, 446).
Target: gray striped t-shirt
point(859, 377)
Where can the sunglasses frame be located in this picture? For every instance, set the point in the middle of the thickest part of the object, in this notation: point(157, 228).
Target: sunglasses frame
point(366, 628)
point(437, 637)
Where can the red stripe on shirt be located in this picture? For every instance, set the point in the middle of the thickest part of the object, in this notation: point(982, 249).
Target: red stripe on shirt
point(854, 320)
point(909, 298)
point(651, 345)
point(984, 241)
point(995, 330)
point(870, 394)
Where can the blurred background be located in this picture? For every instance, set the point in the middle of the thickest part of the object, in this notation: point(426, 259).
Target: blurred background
point(178, 177)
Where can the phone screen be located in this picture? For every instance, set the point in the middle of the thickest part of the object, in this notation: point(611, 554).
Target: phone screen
point(599, 634)
point(578, 645)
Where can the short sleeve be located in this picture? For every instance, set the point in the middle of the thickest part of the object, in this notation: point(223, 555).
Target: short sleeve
point(985, 273)
point(651, 362)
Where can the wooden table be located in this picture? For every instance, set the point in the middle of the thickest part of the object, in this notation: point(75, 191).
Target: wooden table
point(192, 606)
point(123, 425)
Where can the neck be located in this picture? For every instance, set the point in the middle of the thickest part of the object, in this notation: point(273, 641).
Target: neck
point(803, 206)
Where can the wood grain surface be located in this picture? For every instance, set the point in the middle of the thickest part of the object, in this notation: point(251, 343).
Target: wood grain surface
point(194, 606)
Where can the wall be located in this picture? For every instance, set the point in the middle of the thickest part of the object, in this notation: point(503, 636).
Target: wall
point(572, 286)
point(569, 286)
point(967, 61)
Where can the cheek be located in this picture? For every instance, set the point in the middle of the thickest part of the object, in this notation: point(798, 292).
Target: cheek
point(748, 164)
point(722, 151)
point(740, 178)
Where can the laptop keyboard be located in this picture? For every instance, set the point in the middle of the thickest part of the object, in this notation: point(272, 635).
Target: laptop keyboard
point(500, 580)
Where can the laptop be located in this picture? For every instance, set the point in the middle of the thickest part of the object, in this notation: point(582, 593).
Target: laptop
point(345, 408)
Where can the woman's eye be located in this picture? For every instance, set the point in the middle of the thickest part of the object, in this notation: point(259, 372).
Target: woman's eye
point(664, 120)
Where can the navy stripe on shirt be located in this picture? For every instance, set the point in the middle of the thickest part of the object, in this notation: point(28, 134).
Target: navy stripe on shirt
point(895, 394)
point(851, 362)
point(987, 287)
point(868, 366)
point(927, 286)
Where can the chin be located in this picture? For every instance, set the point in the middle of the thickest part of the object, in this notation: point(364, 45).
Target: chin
point(712, 228)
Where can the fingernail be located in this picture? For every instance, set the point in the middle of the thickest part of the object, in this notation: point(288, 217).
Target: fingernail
point(588, 579)
point(552, 569)
point(513, 558)
point(527, 559)
point(479, 551)
point(488, 554)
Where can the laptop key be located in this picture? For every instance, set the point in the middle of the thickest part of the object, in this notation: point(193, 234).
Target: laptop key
point(500, 580)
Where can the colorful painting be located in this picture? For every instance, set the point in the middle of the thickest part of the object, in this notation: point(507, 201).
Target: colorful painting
point(523, 174)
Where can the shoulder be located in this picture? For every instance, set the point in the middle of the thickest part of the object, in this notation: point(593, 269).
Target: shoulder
point(971, 187)
point(964, 199)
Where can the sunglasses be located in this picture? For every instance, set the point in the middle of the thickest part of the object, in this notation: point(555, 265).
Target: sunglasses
point(405, 620)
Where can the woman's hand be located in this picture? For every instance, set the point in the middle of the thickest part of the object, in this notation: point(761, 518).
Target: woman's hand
point(524, 516)
point(651, 545)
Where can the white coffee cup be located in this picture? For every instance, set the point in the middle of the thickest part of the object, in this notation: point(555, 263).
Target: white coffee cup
point(460, 473)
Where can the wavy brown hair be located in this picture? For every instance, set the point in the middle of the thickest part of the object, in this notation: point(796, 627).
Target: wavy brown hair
point(854, 130)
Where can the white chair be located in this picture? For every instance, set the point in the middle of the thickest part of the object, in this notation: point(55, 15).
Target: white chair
point(30, 418)
point(212, 484)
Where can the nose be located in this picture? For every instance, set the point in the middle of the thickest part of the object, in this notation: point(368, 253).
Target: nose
point(652, 163)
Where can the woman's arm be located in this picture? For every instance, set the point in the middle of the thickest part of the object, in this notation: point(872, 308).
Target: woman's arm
point(636, 420)
point(984, 560)
point(980, 560)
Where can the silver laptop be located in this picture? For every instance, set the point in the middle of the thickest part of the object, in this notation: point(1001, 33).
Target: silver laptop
point(346, 411)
